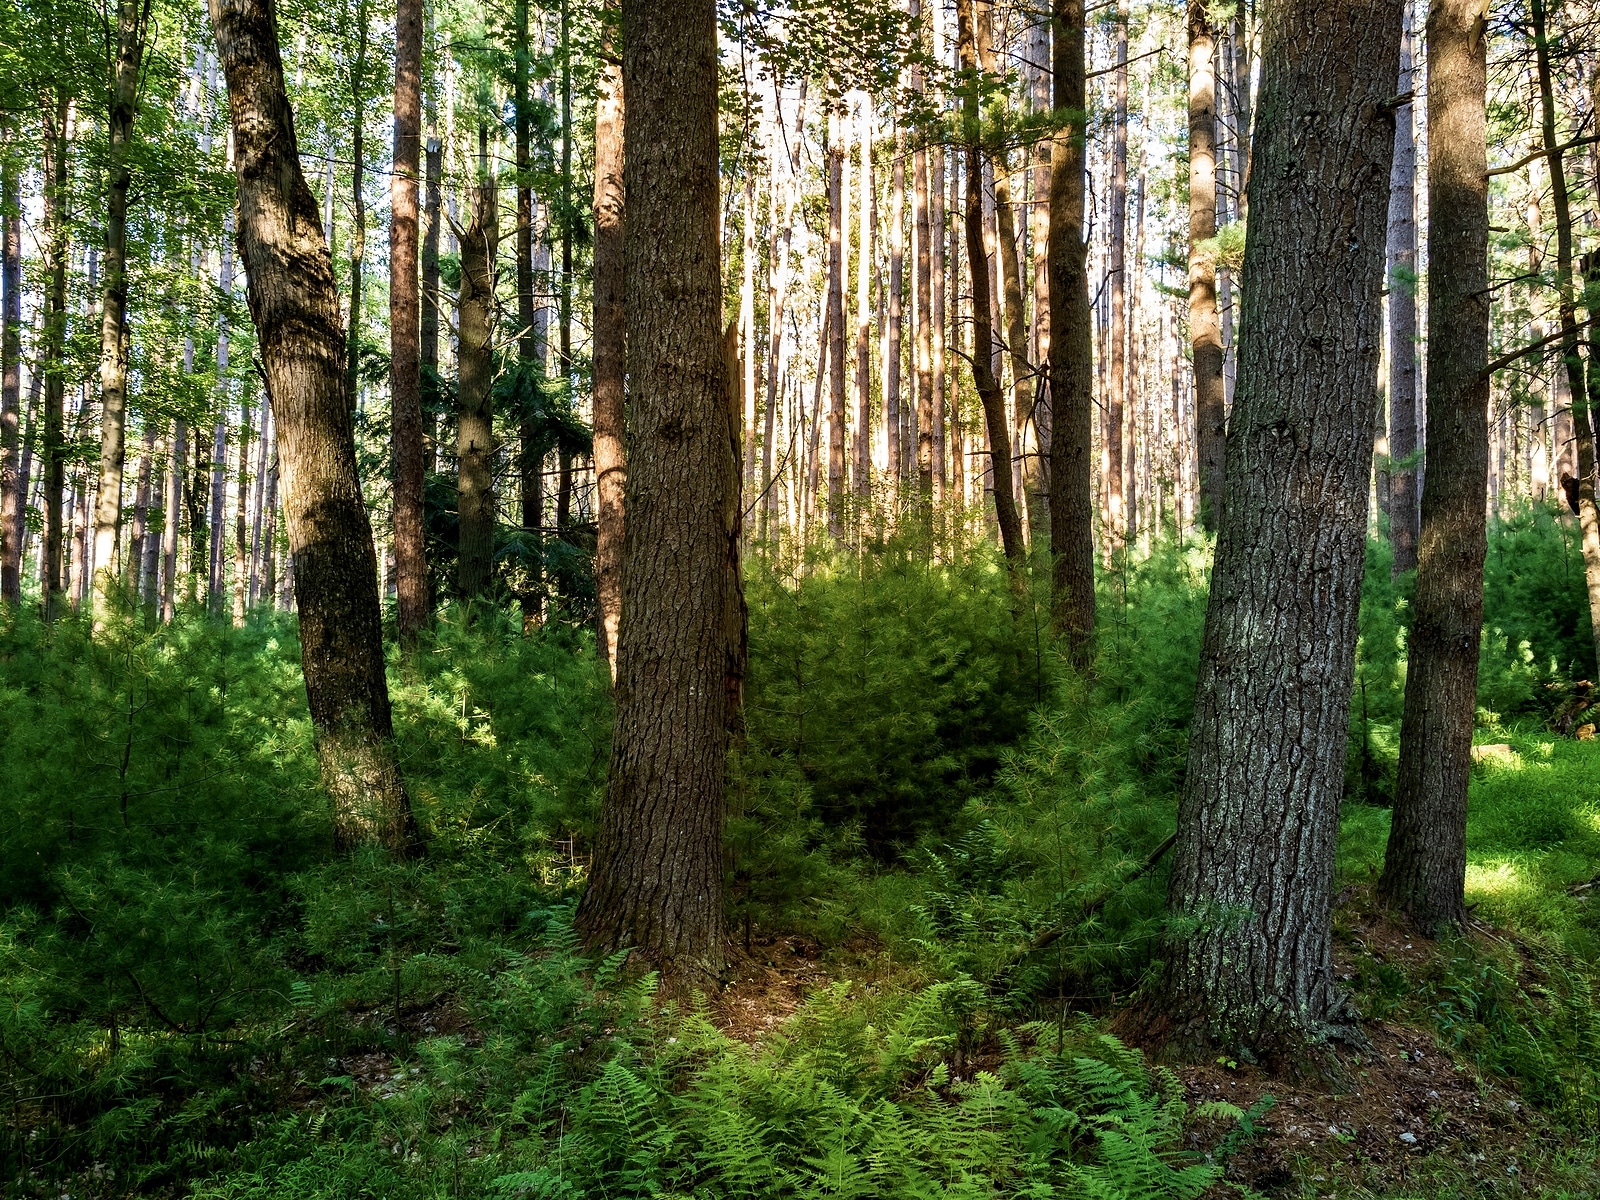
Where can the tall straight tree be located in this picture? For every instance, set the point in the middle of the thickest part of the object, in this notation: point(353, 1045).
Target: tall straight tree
point(1071, 358)
point(656, 883)
point(973, 31)
point(132, 22)
point(1424, 870)
point(405, 328)
point(295, 307)
point(1403, 326)
point(610, 339)
point(475, 444)
point(1205, 328)
point(1117, 280)
point(12, 484)
point(55, 111)
point(838, 252)
point(1251, 890)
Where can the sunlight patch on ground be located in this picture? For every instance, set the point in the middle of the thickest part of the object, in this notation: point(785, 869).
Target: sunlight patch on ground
point(1500, 879)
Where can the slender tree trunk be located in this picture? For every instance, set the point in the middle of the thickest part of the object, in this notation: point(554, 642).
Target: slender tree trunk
point(295, 306)
point(55, 111)
point(778, 273)
point(893, 421)
point(922, 297)
point(610, 339)
point(241, 517)
point(358, 202)
point(405, 351)
point(1252, 878)
point(13, 486)
point(177, 466)
point(972, 32)
point(141, 514)
point(475, 420)
point(1205, 331)
point(269, 532)
point(1424, 870)
point(530, 453)
point(1071, 360)
point(1116, 269)
point(150, 567)
point(864, 257)
point(257, 501)
point(1402, 252)
point(433, 221)
point(656, 883)
point(837, 251)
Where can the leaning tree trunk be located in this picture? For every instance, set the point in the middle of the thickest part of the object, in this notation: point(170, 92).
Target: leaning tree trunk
point(610, 336)
point(1402, 253)
point(1205, 329)
point(656, 883)
point(405, 329)
point(475, 385)
point(295, 306)
point(1250, 966)
point(983, 378)
point(1425, 866)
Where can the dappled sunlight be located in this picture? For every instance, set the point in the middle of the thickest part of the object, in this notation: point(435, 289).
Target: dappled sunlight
point(1498, 879)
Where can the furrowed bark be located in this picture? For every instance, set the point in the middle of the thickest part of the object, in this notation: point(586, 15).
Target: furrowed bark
point(1205, 327)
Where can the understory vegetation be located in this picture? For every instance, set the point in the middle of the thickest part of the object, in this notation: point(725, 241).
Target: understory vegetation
point(956, 837)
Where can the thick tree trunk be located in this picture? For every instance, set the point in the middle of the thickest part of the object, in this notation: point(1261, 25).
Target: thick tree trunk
point(971, 30)
point(656, 883)
point(405, 351)
point(475, 385)
point(12, 483)
point(295, 306)
point(55, 112)
point(1205, 330)
point(1402, 253)
point(1424, 870)
point(1071, 361)
point(132, 19)
point(1251, 887)
point(610, 338)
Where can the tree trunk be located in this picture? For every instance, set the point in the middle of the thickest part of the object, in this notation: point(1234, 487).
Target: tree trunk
point(971, 31)
point(893, 419)
point(656, 883)
point(150, 566)
point(56, 111)
point(530, 453)
point(241, 517)
point(864, 256)
point(141, 515)
point(778, 274)
point(610, 339)
point(12, 484)
point(1424, 870)
point(475, 420)
point(405, 351)
point(428, 348)
point(1402, 253)
point(358, 202)
point(295, 306)
point(837, 252)
point(1071, 362)
point(1252, 878)
point(1116, 270)
point(1205, 330)
point(257, 502)
point(922, 298)
point(177, 466)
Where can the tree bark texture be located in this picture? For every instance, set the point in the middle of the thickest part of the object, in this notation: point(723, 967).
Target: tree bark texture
point(610, 340)
point(55, 112)
point(1205, 328)
point(12, 484)
point(295, 306)
point(656, 884)
point(1425, 865)
point(1117, 281)
point(405, 350)
point(1402, 252)
point(475, 386)
point(1251, 890)
point(1071, 357)
point(837, 252)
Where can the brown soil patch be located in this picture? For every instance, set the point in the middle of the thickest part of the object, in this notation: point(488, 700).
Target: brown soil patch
point(772, 979)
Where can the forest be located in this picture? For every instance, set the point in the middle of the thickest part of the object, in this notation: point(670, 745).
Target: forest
point(799, 598)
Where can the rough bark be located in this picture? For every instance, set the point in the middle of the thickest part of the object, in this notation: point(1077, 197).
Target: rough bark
point(610, 338)
point(405, 350)
point(1205, 328)
point(12, 484)
point(972, 27)
point(55, 111)
point(1402, 253)
point(295, 307)
point(656, 883)
point(1424, 870)
point(1250, 966)
point(1071, 361)
point(428, 341)
point(475, 385)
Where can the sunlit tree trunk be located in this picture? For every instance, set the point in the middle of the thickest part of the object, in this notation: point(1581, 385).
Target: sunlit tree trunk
point(1116, 270)
point(55, 112)
point(241, 519)
point(610, 337)
point(1250, 965)
point(1205, 331)
point(656, 883)
point(837, 249)
point(295, 307)
point(1424, 871)
point(865, 226)
point(13, 486)
point(475, 385)
point(177, 466)
point(1402, 253)
point(894, 421)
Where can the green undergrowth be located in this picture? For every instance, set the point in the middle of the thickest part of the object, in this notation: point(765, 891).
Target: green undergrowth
point(200, 998)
